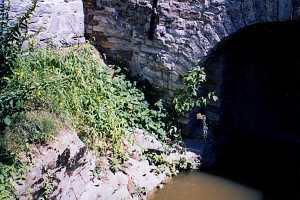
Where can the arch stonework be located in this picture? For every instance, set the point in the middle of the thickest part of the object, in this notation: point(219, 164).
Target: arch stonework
point(158, 39)
point(184, 31)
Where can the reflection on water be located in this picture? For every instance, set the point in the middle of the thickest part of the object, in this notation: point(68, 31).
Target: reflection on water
point(196, 186)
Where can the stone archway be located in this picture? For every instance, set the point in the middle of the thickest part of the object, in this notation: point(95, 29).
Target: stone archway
point(259, 89)
point(159, 40)
point(184, 31)
point(260, 60)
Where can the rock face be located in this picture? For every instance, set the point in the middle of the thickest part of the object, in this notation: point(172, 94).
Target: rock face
point(60, 170)
point(54, 23)
point(160, 40)
point(64, 169)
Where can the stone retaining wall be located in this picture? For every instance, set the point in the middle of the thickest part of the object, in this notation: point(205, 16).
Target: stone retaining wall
point(54, 23)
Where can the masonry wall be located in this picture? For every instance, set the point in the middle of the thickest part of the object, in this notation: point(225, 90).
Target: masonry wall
point(160, 40)
point(54, 23)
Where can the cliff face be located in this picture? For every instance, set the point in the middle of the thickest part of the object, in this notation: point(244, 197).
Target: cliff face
point(160, 40)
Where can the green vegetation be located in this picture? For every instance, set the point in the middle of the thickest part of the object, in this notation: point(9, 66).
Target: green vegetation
point(71, 85)
point(9, 174)
point(36, 127)
point(171, 168)
point(12, 35)
point(193, 94)
point(44, 90)
point(25, 129)
point(41, 91)
point(49, 89)
point(99, 102)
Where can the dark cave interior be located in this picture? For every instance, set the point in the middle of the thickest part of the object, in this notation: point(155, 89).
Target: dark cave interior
point(258, 138)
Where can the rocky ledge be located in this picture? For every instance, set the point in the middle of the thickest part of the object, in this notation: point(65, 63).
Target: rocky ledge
point(65, 169)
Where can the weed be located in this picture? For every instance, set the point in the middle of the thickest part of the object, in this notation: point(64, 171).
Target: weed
point(74, 84)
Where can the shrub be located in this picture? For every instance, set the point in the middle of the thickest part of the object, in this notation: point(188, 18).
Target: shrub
point(25, 129)
point(12, 35)
point(99, 102)
point(71, 84)
point(36, 127)
point(193, 93)
point(8, 174)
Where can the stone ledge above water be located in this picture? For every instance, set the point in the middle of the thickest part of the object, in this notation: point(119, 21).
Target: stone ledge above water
point(64, 169)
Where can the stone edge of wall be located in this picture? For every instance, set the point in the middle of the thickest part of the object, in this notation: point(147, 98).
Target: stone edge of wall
point(54, 23)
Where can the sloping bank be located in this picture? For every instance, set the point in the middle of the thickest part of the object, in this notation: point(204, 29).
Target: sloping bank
point(74, 128)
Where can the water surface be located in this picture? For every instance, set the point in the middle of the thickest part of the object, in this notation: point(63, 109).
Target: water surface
point(202, 186)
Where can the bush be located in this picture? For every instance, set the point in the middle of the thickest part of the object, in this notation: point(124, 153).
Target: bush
point(12, 35)
point(99, 102)
point(8, 174)
point(72, 84)
point(36, 127)
point(25, 129)
point(193, 93)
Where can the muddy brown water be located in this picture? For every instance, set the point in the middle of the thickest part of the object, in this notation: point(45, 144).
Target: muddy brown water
point(198, 186)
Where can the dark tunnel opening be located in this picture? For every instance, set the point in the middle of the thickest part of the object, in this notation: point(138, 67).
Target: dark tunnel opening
point(258, 138)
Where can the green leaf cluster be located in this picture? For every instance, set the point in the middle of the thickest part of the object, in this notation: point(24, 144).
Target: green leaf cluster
point(72, 85)
point(193, 93)
point(12, 35)
point(96, 99)
point(9, 175)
